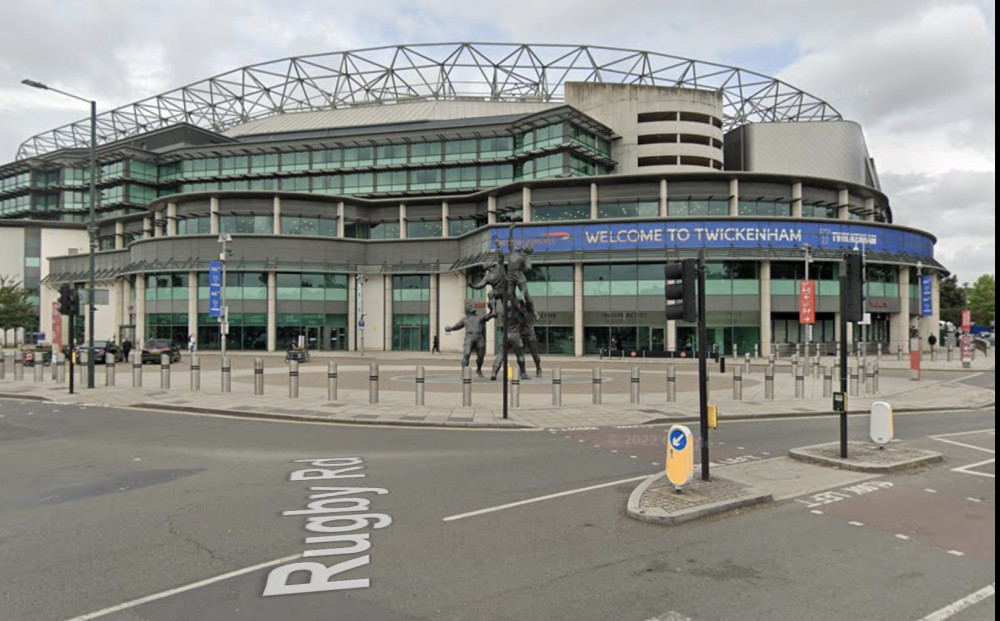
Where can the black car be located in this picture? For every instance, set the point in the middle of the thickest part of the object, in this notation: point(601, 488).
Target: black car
point(154, 348)
point(103, 352)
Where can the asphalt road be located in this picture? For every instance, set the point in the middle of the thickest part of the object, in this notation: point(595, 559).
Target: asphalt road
point(119, 514)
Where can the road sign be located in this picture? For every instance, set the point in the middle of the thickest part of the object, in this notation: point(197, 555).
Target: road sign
point(215, 288)
point(807, 302)
point(880, 424)
point(361, 324)
point(680, 456)
point(926, 296)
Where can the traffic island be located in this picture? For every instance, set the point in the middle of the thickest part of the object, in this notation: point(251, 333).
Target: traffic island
point(867, 456)
point(657, 502)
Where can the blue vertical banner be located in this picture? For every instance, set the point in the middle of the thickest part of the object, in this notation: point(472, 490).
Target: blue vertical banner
point(215, 288)
point(926, 296)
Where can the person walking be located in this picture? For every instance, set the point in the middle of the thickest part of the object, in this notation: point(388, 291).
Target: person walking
point(126, 348)
point(436, 347)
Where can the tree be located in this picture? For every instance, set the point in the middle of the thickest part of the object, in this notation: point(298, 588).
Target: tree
point(16, 310)
point(952, 300)
point(982, 299)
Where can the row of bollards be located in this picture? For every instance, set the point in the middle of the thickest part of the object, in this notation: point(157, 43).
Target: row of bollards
point(863, 376)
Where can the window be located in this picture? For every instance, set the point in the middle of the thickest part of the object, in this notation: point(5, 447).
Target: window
point(264, 163)
point(358, 156)
point(423, 228)
point(629, 209)
point(425, 152)
point(235, 165)
point(391, 154)
point(500, 146)
point(298, 160)
point(391, 181)
point(455, 150)
point(425, 179)
point(461, 177)
point(549, 213)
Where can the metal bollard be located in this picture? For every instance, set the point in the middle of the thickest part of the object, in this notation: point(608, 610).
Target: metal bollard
point(419, 397)
point(3, 365)
point(875, 377)
point(515, 390)
point(933, 354)
point(737, 384)
point(60, 364)
point(795, 363)
point(227, 374)
point(671, 383)
point(948, 353)
point(853, 375)
point(18, 366)
point(165, 371)
point(136, 369)
point(293, 379)
point(109, 371)
point(596, 387)
point(800, 382)
point(827, 382)
point(373, 383)
point(195, 373)
point(258, 376)
point(634, 389)
point(81, 369)
point(52, 363)
point(878, 351)
point(771, 358)
point(869, 379)
point(816, 367)
point(466, 387)
point(899, 352)
point(557, 386)
point(331, 381)
point(756, 351)
point(39, 371)
point(769, 382)
point(746, 364)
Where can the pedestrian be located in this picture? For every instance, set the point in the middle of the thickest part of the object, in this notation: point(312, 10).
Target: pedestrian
point(436, 348)
point(192, 343)
point(126, 348)
point(932, 341)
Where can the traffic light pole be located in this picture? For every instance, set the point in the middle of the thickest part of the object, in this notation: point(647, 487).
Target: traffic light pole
point(843, 365)
point(72, 351)
point(703, 368)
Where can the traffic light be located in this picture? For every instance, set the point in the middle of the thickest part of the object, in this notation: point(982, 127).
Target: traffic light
point(854, 282)
point(680, 295)
point(69, 301)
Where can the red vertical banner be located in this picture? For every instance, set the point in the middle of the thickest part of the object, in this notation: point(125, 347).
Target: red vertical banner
point(807, 302)
point(966, 320)
point(56, 325)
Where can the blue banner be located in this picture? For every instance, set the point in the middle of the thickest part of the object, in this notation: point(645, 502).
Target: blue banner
point(215, 288)
point(926, 296)
point(734, 233)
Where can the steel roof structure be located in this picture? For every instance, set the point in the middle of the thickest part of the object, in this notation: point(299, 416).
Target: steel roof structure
point(449, 71)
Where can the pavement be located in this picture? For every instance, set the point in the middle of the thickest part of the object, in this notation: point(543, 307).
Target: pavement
point(532, 407)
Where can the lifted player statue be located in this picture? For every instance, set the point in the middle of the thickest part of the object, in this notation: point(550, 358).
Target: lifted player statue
point(475, 338)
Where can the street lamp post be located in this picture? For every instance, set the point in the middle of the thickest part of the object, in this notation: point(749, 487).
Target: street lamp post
point(225, 240)
point(91, 220)
point(808, 326)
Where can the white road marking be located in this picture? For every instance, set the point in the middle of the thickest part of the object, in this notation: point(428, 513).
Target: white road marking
point(901, 536)
point(958, 606)
point(670, 616)
point(964, 445)
point(971, 499)
point(188, 587)
point(956, 553)
point(930, 491)
point(963, 433)
point(968, 469)
point(510, 505)
point(816, 512)
point(853, 523)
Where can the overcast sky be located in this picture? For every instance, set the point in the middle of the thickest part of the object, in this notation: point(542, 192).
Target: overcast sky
point(919, 75)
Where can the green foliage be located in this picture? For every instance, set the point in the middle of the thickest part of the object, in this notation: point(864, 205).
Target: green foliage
point(982, 299)
point(952, 300)
point(16, 310)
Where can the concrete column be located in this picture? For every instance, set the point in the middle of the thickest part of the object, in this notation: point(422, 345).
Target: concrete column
point(272, 310)
point(148, 230)
point(213, 219)
point(352, 311)
point(451, 307)
point(526, 203)
point(899, 323)
point(193, 303)
point(119, 234)
point(491, 210)
point(435, 303)
point(797, 199)
point(171, 218)
point(124, 301)
point(402, 221)
point(340, 219)
point(765, 308)
point(870, 209)
point(662, 211)
point(843, 202)
point(445, 210)
point(276, 211)
point(140, 310)
point(734, 197)
point(387, 317)
point(593, 201)
point(578, 309)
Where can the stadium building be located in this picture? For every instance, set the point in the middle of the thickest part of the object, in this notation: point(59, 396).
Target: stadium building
point(354, 197)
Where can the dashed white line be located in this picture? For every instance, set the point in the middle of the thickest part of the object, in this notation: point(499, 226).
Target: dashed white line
point(816, 512)
point(968, 469)
point(633, 457)
point(958, 606)
point(956, 553)
point(971, 499)
point(902, 536)
point(930, 491)
point(853, 523)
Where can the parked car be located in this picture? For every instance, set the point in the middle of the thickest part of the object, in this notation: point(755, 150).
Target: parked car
point(33, 353)
point(102, 349)
point(298, 354)
point(154, 348)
